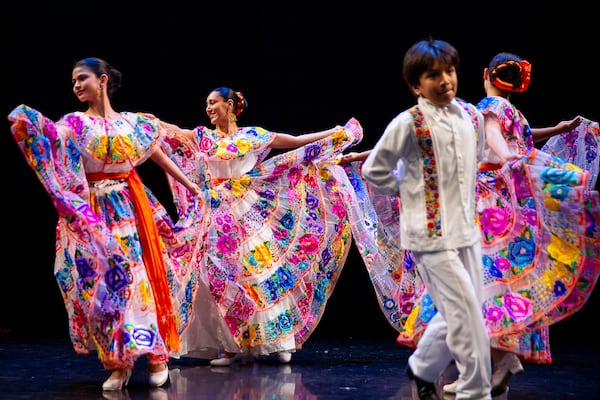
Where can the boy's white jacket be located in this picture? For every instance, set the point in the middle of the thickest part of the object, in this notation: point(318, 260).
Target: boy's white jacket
point(438, 193)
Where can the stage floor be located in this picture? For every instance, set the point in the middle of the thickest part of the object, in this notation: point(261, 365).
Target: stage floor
point(324, 369)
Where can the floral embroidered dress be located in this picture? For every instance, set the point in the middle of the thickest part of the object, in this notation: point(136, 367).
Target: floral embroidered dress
point(580, 147)
point(540, 246)
point(118, 302)
point(540, 239)
point(277, 236)
point(376, 233)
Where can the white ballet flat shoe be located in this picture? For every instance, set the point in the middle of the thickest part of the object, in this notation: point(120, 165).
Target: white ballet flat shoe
point(158, 378)
point(117, 383)
point(229, 359)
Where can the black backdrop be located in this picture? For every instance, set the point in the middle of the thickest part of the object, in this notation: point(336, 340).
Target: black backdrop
point(302, 66)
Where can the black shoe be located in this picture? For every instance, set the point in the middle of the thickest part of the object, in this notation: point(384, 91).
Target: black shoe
point(425, 390)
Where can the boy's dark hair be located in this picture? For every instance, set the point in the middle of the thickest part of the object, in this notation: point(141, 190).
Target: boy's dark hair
point(423, 55)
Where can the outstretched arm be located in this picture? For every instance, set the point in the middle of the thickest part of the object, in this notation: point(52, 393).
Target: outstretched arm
point(540, 134)
point(172, 128)
point(354, 156)
point(160, 158)
point(177, 131)
point(286, 141)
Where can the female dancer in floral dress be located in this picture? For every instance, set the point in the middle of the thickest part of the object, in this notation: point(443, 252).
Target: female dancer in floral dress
point(277, 231)
point(123, 274)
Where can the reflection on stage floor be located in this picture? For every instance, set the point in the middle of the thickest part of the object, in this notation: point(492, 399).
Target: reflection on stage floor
point(341, 369)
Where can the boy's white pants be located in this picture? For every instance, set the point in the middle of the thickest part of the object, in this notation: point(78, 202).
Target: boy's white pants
point(453, 279)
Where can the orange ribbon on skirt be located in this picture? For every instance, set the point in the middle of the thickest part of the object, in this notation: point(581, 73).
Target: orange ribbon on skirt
point(152, 255)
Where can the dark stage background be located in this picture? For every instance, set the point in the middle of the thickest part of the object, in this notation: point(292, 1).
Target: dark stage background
point(302, 66)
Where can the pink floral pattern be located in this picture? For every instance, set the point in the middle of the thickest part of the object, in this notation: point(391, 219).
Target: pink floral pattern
point(99, 266)
point(277, 230)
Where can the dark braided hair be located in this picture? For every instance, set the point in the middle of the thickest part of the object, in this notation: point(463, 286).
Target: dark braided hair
point(239, 101)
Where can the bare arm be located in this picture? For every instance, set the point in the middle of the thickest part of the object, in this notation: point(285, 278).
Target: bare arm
point(174, 129)
point(354, 156)
point(177, 131)
point(494, 139)
point(286, 141)
point(540, 134)
point(160, 158)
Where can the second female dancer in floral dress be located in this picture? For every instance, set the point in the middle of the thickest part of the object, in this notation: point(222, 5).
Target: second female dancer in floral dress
point(277, 232)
